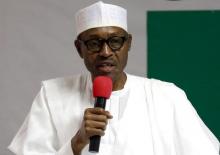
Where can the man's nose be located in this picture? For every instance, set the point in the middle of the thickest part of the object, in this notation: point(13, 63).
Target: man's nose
point(106, 51)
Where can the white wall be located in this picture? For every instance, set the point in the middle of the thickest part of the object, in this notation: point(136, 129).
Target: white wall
point(36, 43)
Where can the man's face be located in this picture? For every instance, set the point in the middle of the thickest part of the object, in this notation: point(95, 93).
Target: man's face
point(100, 48)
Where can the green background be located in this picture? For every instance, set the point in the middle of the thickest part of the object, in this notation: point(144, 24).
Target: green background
point(184, 48)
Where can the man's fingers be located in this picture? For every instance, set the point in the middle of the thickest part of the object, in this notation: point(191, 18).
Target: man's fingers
point(95, 124)
point(98, 111)
point(99, 118)
point(94, 110)
point(93, 131)
point(109, 115)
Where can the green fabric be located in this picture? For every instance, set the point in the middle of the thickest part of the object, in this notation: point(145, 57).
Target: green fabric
point(184, 48)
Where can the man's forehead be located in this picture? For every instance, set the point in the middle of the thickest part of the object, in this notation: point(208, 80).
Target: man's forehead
point(101, 31)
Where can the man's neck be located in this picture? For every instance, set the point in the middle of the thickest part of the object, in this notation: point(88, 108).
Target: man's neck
point(119, 84)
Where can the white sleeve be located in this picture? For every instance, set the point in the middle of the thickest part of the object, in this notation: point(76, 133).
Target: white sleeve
point(192, 136)
point(38, 135)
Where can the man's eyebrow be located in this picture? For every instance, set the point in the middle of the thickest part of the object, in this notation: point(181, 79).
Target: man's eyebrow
point(118, 34)
point(92, 36)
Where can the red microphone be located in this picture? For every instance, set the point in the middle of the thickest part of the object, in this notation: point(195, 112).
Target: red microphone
point(102, 88)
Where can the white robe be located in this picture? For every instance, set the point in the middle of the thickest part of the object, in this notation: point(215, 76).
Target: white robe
point(150, 117)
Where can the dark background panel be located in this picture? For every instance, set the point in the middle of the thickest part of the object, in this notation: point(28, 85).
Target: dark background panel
point(184, 48)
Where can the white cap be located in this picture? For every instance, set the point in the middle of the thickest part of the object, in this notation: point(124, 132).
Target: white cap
point(99, 15)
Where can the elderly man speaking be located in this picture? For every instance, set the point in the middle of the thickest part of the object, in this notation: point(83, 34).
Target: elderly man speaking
point(142, 116)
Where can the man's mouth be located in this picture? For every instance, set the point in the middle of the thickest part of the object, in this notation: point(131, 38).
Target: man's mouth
point(105, 67)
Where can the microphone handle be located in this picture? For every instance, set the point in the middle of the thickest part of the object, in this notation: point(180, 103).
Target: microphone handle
point(100, 102)
point(95, 140)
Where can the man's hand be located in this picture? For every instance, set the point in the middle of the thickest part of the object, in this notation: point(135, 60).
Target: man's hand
point(94, 123)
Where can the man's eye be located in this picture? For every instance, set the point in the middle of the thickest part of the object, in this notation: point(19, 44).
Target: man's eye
point(93, 43)
point(116, 40)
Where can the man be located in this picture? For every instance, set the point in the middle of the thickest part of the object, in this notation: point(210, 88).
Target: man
point(143, 116)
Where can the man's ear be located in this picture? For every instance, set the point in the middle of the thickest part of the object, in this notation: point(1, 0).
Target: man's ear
point(78, 47)
point(129, 41)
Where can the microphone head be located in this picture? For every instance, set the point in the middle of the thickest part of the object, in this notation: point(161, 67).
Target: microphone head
point(102, 86)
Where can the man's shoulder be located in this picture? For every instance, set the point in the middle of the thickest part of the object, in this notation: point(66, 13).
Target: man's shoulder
point(155, 84)
point(152, 81)
point(166, 87)
point(67, 82)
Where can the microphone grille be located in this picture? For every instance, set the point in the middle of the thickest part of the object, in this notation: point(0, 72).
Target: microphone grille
point(102, 86)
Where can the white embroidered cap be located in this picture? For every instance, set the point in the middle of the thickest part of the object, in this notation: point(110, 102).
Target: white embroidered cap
point(99, 15)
